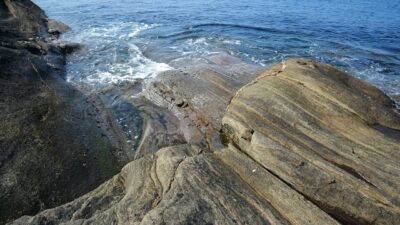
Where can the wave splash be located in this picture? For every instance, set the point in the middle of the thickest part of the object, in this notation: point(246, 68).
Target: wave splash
point(112, 55)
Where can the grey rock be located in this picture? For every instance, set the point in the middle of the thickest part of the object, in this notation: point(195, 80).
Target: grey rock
point(56, 28)
point(51, 149)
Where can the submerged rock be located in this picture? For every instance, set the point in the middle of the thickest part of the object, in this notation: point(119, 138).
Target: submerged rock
point(300, 150)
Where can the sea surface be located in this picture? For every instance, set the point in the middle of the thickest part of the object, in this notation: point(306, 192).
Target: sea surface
point(136, 39)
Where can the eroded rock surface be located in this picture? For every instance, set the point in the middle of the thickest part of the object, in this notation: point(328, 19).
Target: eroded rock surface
point(301, 148)
point(174, 186)
point(310, 125)
point(199, 94)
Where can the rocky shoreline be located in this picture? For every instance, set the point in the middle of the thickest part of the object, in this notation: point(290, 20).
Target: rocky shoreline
point(215, 141)
point(52, 148)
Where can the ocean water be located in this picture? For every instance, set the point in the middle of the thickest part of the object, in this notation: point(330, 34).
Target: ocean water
point(136, 39)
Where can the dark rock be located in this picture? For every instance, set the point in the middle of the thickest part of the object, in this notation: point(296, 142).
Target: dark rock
point(50, 149)
point(69, 47)
point(21, 18)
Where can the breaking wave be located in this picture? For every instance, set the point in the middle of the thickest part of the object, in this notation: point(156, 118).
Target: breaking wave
point(112, 55)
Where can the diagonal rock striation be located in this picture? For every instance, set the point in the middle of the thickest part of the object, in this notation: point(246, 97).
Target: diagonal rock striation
point(310, 126)
point(300, 149)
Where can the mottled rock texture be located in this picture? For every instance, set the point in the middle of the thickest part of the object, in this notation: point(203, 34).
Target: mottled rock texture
point(52, 147)
point(301, 148)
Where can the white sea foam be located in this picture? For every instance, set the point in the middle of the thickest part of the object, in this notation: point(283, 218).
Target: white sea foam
point(113, 55)
point(232, 42)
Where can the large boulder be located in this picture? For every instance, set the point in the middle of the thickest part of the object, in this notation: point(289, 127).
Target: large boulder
point(305, 144)
point(314, 128)
point(21, 17)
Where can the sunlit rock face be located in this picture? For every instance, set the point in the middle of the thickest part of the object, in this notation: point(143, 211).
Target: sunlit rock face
point(299, 149)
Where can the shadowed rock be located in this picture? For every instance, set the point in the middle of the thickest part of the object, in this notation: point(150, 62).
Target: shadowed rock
point(52, 149)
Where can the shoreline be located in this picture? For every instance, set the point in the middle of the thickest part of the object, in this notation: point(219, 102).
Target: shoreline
point(217, 142)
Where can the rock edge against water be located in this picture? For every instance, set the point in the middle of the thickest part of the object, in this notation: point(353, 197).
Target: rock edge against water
point(53, 147)
point(300, 150)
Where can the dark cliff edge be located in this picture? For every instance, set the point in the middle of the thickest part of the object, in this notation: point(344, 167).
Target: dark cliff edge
point(217, 142)
point(52, 147)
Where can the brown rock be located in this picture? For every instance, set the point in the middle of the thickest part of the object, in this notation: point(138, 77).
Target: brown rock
point(176, 186)
point(300, 151)
point(69, 47)
point(312, 130)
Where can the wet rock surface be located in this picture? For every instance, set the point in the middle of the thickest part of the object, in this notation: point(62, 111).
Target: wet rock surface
point(51, 148)
point(56, 27)
point(199, 94)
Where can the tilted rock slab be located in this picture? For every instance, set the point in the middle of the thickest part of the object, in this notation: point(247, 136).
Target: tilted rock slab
point(178, 186)
point(301, 150)
point(198, 94)
point(309, 125)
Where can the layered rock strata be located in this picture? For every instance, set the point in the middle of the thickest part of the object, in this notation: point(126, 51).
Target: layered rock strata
point(301, 148)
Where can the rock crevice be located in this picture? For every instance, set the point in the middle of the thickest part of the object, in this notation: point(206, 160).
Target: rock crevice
point(279, 166)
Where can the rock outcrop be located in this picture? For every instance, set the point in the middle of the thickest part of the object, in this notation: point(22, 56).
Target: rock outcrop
point(216, 142)
point(199, 94)
point(312, 126)
point(52, 147)
point(301, 147)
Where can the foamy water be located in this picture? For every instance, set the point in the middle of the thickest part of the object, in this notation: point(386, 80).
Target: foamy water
point(111, 55)
point(128, 40)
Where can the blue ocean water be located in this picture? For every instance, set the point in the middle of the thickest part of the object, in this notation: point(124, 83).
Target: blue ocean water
point(130, 39)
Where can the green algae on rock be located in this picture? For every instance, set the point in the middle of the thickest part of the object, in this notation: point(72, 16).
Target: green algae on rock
point(51, 151)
